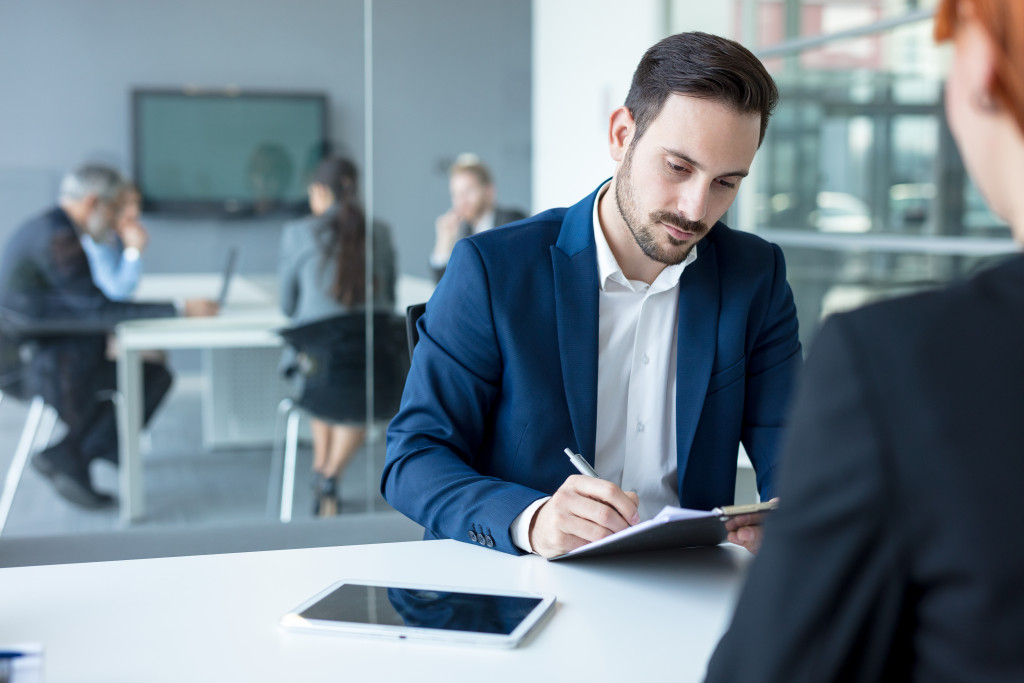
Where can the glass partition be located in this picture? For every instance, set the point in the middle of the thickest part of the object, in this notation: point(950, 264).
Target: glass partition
point(398, 88)
point(858, 178)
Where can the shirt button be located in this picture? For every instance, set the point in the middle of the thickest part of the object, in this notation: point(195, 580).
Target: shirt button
point(639, 426)
point(646, 359)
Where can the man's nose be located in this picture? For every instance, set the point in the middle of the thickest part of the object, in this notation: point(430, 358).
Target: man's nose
point(693, 201)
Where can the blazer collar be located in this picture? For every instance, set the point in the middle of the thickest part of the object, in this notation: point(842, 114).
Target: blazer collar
point(577, 290)
point(574, 262)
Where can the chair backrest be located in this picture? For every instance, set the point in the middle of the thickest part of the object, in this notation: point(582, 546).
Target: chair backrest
point(333, 365)
point(412, 315)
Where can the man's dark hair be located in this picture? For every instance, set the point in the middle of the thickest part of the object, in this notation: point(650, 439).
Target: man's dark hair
point(700, 65)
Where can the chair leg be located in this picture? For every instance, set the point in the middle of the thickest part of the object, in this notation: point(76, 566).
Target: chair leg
point(288, 474)
point(47, 423)
point(36, 411)
point(284, 408)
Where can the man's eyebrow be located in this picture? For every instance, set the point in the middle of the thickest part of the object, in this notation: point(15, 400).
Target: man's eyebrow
point(699, 166)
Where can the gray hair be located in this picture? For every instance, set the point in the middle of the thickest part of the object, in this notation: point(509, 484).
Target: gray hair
point(91, 179)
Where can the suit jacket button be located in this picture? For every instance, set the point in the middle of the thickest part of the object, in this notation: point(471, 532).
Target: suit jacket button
point(489, 541)
point(472, 536)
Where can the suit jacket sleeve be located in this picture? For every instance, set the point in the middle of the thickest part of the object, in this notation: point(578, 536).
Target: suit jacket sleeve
point(436, 465)
point(772, 370)
point(73, 296)
point(827, 580)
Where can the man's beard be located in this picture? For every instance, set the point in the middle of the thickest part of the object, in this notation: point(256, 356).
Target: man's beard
point(98, 225)
point(644, 233)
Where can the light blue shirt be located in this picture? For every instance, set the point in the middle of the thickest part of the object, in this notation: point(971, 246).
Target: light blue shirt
point(115, 270)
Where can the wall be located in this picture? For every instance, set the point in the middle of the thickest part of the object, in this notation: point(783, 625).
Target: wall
point(584, 54)
point(67, 66)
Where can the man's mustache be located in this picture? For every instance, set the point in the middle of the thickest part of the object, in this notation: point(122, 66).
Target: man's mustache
point(675, 220)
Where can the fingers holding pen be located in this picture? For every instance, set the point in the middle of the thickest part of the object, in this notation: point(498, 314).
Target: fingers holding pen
point(582, 510)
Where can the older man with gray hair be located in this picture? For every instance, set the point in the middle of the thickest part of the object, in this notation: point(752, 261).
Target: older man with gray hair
point(47, 291)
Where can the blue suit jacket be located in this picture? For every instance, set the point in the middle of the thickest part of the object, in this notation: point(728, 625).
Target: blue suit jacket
point(504, 376)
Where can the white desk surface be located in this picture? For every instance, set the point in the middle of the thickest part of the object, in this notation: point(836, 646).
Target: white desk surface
point(653, 617)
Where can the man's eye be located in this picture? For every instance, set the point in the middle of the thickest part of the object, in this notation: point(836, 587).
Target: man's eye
point(675, 168)
point(726, 183)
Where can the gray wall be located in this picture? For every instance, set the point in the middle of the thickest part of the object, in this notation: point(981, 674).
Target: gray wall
point(450, 76)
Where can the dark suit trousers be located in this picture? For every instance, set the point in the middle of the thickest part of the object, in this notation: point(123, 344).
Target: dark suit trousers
point(81, 392)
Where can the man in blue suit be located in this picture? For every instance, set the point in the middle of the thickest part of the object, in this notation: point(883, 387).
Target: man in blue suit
point(633, 328)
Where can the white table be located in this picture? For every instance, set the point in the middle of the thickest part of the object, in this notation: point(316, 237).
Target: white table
point(248, 321)
point(215, 617)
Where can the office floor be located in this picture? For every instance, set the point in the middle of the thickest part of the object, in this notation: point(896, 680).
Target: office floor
point(184, 486)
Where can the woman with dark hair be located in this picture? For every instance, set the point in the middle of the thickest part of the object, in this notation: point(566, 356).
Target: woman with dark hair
point(322, 273)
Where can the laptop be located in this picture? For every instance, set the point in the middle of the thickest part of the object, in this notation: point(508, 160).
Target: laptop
point(229, 273)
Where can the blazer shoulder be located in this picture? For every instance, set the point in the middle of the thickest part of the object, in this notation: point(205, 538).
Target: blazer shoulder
point(739, 243)
point(539, 231)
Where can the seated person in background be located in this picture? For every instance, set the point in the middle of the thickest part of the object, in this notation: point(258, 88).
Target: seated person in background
point(892, 556)
point(322, 273)
point(633, 328)
point(115, 257)
point(45, 277)
point(472, 211)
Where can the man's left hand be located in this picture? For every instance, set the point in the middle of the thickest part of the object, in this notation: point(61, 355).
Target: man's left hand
point(746, 530)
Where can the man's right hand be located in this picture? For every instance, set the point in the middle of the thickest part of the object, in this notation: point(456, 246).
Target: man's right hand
point(133, 235)
point(446, 228)
point(201, 308)
point(583, 509)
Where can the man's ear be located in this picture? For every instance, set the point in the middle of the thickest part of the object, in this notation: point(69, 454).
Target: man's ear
point(620, 133)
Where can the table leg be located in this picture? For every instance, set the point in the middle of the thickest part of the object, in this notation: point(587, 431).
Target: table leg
point(129, 420)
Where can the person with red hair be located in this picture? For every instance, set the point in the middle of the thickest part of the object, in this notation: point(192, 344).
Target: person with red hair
point(891, 556)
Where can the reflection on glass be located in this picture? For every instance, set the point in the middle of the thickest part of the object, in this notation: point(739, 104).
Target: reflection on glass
point(858, 167)
point(460, 611)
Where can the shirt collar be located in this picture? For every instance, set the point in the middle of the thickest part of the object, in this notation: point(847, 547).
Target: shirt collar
point(608, 268)
point(486, 222)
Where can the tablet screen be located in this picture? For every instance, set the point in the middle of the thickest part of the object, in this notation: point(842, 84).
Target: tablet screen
point(422, 608)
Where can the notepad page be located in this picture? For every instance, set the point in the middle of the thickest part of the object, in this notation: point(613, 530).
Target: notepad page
point(667, 514)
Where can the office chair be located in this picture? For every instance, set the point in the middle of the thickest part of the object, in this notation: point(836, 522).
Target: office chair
point(40, 421)
point(331, 369)
point(412, 314)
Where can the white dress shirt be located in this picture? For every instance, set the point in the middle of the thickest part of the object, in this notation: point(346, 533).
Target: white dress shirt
point(485, 223)
point(636, 384)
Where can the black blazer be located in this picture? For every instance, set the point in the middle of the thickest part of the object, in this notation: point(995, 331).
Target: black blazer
point(501, 217)
point(45, 278)
point(895, 554)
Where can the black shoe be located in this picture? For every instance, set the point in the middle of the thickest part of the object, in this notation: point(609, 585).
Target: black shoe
point(325, 496)
point(69, 478)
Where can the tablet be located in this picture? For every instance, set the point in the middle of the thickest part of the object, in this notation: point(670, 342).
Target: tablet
point(419, 612)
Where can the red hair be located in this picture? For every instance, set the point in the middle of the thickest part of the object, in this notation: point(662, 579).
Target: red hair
point(1003, 21)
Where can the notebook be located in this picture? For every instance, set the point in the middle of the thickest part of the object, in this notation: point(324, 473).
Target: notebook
point(673, 527)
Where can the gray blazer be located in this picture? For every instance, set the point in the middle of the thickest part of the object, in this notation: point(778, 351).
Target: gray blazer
point(305, 284)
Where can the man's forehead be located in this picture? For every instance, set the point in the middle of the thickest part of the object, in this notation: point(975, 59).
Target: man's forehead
point(466, 176)
point(710, 134)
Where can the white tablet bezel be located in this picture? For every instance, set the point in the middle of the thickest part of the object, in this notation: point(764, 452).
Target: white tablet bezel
point(293, 622)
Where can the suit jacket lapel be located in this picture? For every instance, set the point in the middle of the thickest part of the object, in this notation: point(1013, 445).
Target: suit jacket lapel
point(574, 261)
point(699, 295)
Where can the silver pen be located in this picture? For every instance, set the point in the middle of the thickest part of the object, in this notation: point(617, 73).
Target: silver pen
point(581, 464)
